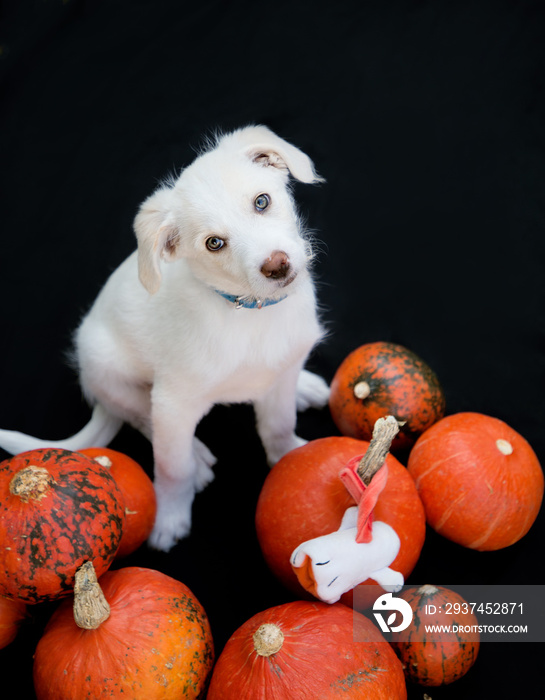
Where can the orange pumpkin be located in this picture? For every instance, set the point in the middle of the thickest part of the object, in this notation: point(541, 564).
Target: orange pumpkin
point(307, 650)
point(144, 635)
point(303, 498)
point(12, 613)
point(480, 481)
point(437, 658)
point(138, 494)
point(58, 509)
point(380, 379)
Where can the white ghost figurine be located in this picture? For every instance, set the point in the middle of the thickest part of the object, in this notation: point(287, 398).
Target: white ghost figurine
point(333, 564)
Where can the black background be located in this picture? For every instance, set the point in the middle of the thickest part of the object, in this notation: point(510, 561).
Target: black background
point(427, 121)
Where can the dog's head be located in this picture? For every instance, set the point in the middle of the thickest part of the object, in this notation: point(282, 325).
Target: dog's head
point(231, 216)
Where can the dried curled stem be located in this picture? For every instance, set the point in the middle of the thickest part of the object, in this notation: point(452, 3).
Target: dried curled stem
point(91, 608)
point(384, 432)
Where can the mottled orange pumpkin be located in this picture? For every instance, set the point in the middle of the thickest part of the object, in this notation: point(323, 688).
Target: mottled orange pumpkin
point(380, 379)
point(58, 509)
point(435, 658)
point(138, 495)
point(12, 613)
point(154, 643)
point(479, 480)
point(307, 650)
point(303, 498)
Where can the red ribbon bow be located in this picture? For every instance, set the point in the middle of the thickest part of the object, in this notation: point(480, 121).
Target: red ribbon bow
point(365, 496)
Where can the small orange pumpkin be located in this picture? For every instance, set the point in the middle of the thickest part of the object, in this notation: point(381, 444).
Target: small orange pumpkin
point(58, 509)
point(139, 634)
point(303, 498)
point(307, 650)
point(138, 495)
point(12, 613)
point(380, 379)
point(479, 480)
point(437, 658)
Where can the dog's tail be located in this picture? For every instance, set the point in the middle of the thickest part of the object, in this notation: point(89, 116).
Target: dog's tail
point(99, 432)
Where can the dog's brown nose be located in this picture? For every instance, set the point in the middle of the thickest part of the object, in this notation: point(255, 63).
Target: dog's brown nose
point(277, 265)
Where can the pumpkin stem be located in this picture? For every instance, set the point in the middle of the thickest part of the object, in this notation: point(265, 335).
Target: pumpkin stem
point(362, 390)
point(31, 483)
point(103, 460)
point(384, 432)
point(91, 608)
point(426, 589)
point(504, 446)
point(268, 639)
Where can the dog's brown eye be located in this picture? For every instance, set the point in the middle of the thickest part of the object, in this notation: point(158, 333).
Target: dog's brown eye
point(262, 201)
point(213, 243)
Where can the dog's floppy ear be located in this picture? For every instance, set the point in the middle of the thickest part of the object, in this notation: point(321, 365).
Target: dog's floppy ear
point(157, 236)
point(266, 148)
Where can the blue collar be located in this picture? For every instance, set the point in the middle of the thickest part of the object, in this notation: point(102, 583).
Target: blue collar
point(242, 302)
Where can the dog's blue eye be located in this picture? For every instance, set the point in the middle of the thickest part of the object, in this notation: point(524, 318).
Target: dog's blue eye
point(213, 243)
point(262, 201)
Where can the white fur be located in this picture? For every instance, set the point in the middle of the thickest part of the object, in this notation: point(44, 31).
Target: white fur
point(161, 352)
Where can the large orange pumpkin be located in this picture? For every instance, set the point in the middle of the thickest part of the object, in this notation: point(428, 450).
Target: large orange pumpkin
point(305, 651)
point(138, 495)
point(380, 379)
point(435, 658)
point(58, 509)
point(480, 481)
point(151, 640)
point(303, 498)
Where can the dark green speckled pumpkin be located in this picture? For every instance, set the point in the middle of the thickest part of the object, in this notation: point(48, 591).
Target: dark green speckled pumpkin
point(58, 509)
point(434, 658)
point(380, 379)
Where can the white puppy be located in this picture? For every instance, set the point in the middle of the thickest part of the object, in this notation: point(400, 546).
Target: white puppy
point(224, 312)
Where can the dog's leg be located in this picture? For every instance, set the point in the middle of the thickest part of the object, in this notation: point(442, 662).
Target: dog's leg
point(205, 461)
point(276, 416)
point(182, 465)
point(312, 391)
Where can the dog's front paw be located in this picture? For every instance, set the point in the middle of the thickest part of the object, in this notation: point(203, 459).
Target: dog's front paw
point(276, 451)
point(312, 391)
point(173, 518)
point(204, 461)
point(167, 531)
